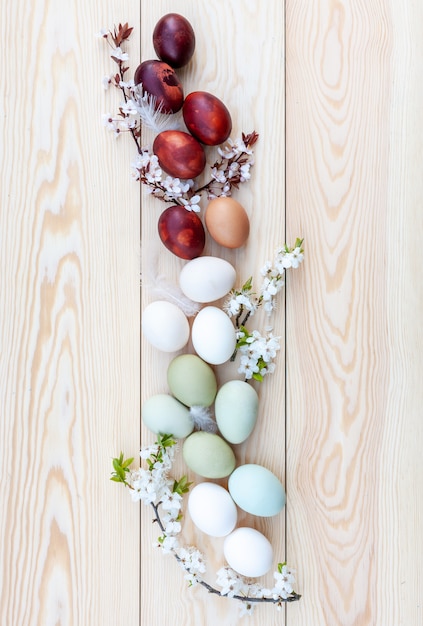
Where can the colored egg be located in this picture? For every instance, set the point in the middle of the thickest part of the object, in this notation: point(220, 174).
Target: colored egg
point(256, 490)
point(227, 222)
point(212, 509)
point(165, 326)
point(160, 80)
point(164, 414)
point(236, 407)
point(248, 552)
point(182, 232)
point(207, 278)
point(191, 380)
point(213, 335)
point(174, 39)
point(208, 455)
point(207, 118)
point(179, 154)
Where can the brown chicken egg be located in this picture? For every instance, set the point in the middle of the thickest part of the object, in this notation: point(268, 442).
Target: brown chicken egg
point(227, 222)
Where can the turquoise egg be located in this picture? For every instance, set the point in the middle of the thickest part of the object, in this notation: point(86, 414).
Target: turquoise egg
point(208, 455)
point(256, 490)
point(164, 414)
point(236, 408)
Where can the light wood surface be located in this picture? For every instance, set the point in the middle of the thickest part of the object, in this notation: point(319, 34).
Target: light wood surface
point(75, 550)
point(69, 333)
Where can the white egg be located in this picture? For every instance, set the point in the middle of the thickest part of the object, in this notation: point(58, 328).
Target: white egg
point(207, 278)
point(248, 552)
point(213, 335)
point(165, 326)
point(212, 509)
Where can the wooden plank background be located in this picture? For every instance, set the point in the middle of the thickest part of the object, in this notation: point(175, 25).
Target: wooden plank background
point(346, 122)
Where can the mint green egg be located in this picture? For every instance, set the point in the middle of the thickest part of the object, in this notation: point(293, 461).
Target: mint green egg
point(191, 380)
point(236, 408)
point(208, 455)
point(256, 490)
point(164, 414)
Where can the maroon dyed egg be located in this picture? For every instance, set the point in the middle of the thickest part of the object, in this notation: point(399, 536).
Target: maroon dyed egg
point(207, 118)
point(160, 80)
point(174, 40)
point(179, 154)
point(182, 232)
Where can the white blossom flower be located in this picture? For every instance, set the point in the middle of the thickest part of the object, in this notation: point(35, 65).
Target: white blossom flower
point(245, 172)
point(106, 81)
point(285, 581)
point(109, 122)
point(128, 107)
point(103, 32)
point(192, 204)
point(232, 583)
point(192, 560)
point(218, 175)
point(246, 608)
point(169, 544)
point(171, 501)
point(119, 55)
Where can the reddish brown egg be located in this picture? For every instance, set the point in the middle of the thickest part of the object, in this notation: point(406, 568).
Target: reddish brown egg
point(227, 222)
point(179, 154)
point(174, 40)
point(161, 81)
point(207, 118)
point(182, 232)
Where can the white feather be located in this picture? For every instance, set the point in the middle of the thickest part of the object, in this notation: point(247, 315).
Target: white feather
point(152, 115)
point(202, 418)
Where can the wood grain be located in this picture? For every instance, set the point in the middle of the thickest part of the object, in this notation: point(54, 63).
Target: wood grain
point(75, 550)
point(353, 348)
point(69, 335)
point(226, 62)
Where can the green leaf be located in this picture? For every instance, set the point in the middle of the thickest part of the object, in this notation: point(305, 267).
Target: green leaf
point(247, 286)
point(181, 486)
point(115, 478)
point(257, 376)
point(125, 464)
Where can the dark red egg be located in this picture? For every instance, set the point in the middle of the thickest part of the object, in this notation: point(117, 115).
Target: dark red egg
point(207, 118)
point(174, 40)
point(179, 154)
point(182, 232)
point(160, 80)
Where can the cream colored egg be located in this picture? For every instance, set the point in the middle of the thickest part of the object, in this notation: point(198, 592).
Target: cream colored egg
point(248, 552)
point(213, 335)
point(165, 326)
point(207, 278)
point(212, 509)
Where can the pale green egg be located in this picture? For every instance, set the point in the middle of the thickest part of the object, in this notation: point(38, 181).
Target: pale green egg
point(164, 414)
point(256, 490)
point(236, 408)
point(208, 455)
point(191, 380)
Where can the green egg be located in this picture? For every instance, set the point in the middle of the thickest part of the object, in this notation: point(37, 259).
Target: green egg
point(208, 455)
point(236, 408)
point(191, 380)
point(164, 414)
point(256, 490)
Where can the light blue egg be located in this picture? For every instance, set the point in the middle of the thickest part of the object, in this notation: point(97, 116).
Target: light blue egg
point(256, 490)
